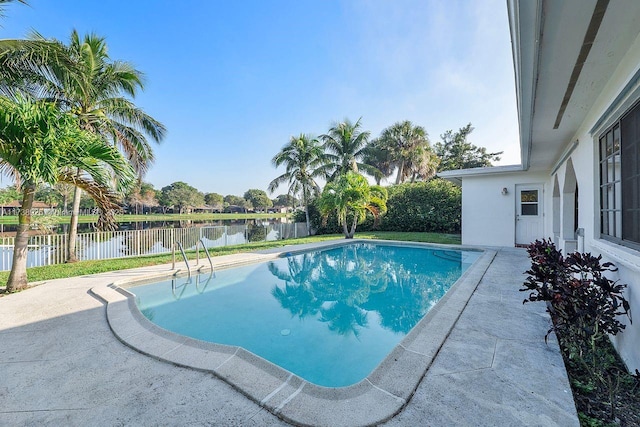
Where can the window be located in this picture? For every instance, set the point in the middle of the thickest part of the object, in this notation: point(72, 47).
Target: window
point(619, 148)
point(529, 202)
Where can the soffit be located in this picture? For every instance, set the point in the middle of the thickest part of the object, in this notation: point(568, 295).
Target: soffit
point(563, 27)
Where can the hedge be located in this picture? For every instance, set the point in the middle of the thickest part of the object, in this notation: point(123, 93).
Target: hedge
point(432, 206)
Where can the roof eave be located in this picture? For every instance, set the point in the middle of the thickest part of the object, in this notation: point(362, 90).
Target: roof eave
point(457, 175)
point(525, 25)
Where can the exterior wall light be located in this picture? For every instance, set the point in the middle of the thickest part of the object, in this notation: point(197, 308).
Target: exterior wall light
point(505, 191)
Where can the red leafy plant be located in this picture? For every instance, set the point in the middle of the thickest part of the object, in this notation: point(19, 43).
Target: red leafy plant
point(584, 305)
point(583, 302)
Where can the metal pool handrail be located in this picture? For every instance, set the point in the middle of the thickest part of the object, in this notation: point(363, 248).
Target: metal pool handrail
point(206, 251)
point(184, 256)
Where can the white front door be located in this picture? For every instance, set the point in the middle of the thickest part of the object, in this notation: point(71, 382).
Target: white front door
point(529, 221)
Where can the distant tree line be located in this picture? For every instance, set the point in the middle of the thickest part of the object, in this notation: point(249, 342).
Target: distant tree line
point(142, 197)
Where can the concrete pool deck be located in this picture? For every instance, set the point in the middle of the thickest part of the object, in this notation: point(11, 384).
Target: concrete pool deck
point(60, 363)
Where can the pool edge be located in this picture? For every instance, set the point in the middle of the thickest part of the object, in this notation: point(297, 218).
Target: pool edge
point(375, 399)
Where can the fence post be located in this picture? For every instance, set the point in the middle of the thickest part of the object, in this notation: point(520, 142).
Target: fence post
point(48, 250)
point(139, 236)
point(225, 235)
point(295, 230)
point(65, 246)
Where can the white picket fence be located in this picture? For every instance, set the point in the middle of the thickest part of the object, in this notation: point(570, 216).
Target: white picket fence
point(52, 248)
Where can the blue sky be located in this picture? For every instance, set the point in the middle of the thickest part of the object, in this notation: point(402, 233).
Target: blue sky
point(233, 80)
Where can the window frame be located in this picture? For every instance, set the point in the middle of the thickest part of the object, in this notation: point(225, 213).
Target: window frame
point(535, 203)
point(605, 159)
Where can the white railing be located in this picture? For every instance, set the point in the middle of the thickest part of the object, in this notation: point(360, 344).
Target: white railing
point(52, 248)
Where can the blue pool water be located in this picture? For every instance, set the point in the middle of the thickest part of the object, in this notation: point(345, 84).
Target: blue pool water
point(329, 316)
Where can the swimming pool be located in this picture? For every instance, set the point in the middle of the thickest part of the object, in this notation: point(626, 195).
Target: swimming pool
point(371, 401)
point(329, 316)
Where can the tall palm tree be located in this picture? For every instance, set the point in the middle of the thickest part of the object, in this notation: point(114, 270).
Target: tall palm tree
point(83, 80)
point(409, 149)
point(351, 196)
point(423, 164)
point(377, 156)
point(345, 144)
point(304, 160)
point(40, 144)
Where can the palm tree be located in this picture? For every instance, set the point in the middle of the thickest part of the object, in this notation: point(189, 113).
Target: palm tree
point(304, 160)
point(378, 157)
point(422, 164)
point(351, 197)
point(3, 2)
point(40, 144)
point(345, 145)
point(408, 147)
point(82, 79)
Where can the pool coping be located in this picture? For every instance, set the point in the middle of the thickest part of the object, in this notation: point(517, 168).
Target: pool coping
point(375, 399)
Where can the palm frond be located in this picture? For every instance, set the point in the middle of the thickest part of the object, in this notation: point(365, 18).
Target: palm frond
point(105, 198)
point(124, 111)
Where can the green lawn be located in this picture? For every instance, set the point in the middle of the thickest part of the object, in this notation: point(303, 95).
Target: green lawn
point(90, 267)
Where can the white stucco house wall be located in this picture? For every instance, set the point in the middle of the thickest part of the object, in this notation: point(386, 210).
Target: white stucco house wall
point(577, 72)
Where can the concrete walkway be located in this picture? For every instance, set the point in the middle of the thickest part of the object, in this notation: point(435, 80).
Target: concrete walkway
point(60, 364)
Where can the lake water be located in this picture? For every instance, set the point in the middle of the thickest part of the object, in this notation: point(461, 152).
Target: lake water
point(145, 238)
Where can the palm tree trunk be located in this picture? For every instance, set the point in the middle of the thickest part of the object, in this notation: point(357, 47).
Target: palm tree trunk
point(345, 228)
point(73, 226)
point(18, 276)
point(400, 172)
point(353, 227)
point(306, 211)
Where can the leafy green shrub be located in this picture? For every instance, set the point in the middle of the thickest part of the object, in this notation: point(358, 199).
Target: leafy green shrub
point(256, 233)
point(330, 226)
point(299, 216)
point(433, 206)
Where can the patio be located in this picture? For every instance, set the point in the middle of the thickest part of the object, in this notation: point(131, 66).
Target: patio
point(60, 364)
